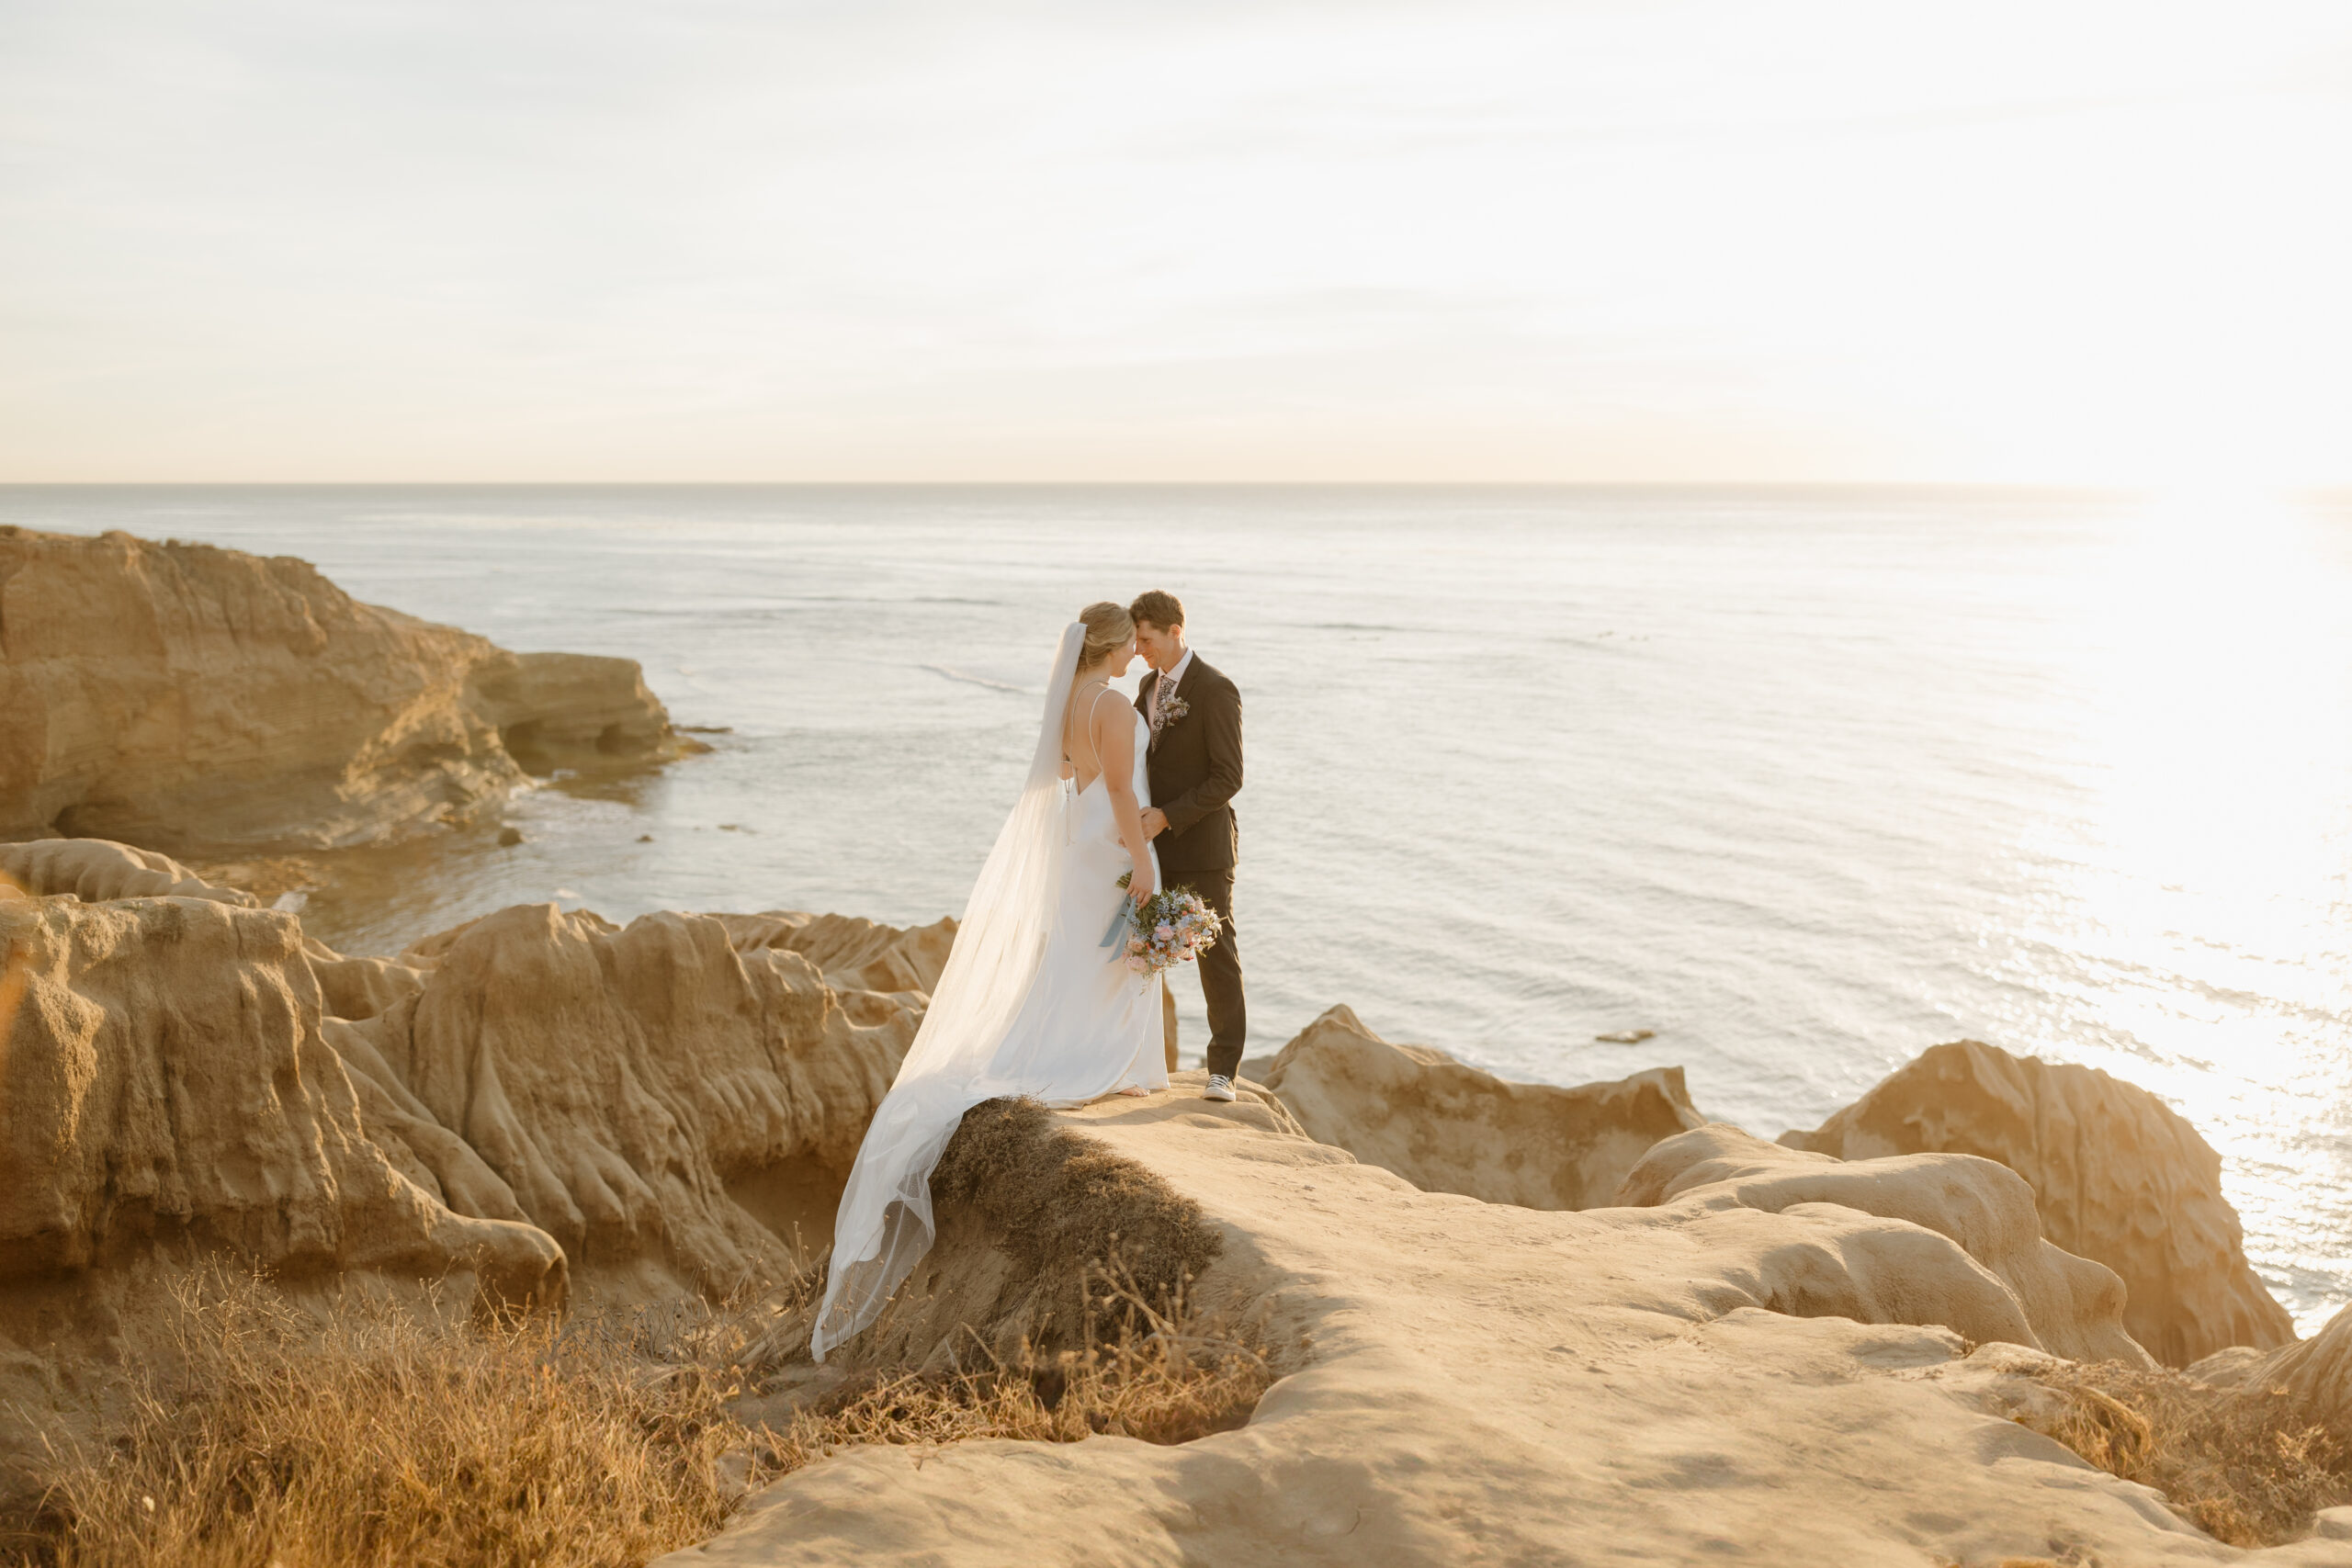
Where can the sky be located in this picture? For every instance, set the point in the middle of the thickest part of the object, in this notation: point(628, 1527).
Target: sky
point(1687, 241)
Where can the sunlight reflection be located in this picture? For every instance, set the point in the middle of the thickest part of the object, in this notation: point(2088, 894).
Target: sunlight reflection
point(2216, 945)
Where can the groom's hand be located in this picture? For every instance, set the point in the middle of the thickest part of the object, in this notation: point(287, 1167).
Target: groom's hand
point(1155, 822)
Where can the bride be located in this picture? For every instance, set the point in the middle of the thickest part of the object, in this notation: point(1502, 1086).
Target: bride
point(1035, 999)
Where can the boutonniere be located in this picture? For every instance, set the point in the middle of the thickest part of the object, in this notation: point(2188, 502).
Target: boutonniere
point(1171, 710)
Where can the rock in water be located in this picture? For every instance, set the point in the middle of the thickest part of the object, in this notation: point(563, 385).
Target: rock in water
point(556, 710)
point(1448, 1127)
point(181, 696)
point(2116, 1175)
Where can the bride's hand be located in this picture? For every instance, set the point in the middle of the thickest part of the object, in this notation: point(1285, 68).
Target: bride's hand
point(1139, 884)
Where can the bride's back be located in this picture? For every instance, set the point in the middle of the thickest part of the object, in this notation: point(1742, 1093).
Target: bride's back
point(1081, 720)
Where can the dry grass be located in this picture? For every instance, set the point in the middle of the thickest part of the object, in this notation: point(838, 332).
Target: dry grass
point(2248, 1467)
point(370, 1436)
point(1163, 1377)
point(378, 1435)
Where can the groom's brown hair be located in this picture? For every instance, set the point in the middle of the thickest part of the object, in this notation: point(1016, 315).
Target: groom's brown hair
point(1160, 609)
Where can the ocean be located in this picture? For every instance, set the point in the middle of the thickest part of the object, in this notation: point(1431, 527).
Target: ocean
point(1804, 781)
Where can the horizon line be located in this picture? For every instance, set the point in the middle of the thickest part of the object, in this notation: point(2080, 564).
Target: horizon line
point(2075, 487)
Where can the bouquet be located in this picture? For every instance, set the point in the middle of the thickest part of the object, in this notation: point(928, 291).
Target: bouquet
point(1173, 926)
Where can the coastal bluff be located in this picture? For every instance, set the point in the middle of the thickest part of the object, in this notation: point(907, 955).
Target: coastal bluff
point(1721, 1374)
point(181, 697)
point(1742, 1350)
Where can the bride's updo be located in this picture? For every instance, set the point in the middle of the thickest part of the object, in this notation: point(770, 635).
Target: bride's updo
point(1107, 626)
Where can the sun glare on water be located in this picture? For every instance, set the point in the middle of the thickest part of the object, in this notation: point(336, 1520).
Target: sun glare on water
point(2194, 930)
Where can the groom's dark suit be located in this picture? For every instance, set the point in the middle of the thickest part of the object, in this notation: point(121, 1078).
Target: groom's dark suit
point(1195, 770)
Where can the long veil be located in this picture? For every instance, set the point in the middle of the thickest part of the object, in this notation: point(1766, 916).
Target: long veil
point(884, 1226)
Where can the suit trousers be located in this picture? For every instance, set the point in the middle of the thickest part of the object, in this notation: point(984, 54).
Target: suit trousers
point(1220, 970)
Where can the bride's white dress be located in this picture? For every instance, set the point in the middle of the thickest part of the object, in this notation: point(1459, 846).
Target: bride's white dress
point(1033, 1001)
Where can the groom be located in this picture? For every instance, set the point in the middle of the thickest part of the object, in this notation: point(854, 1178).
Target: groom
point(1195, 770)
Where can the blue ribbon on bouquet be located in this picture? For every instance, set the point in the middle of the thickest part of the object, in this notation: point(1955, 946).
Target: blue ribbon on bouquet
point(1118, 918)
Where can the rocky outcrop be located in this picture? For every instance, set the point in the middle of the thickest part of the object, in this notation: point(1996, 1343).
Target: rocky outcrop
point(2316, 1373)
point(559, 710)
point(167, 1084)
point(2116, 1175)
point(533, 1106)
point(1447, 1127)
point(1694, 1381)
point(535, 1100)
point(676, 1111)
point(94, 870)
point(179, 695)
point(875, 969)
point(2003, 1282)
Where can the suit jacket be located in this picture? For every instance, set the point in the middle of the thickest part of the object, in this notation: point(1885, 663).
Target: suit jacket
point(1196, 771)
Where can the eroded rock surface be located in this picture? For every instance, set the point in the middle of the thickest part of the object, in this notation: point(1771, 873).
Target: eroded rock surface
point(2117, 1176)
point(1985, 1271)
point(1447, 1127)
point(94, 870)
point(167, 1082)
point(532, 1106)
point(2317, 1371)
point(179, 695)
point(615, 1081)
point(1476, 1383)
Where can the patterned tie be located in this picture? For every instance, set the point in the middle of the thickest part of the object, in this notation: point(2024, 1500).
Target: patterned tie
point(1160, 692)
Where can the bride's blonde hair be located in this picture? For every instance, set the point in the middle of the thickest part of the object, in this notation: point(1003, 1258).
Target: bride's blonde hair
point(1107, 625)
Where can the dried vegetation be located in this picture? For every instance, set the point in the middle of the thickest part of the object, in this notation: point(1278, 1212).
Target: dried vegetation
point(366, 1435)
point(2248, 1467)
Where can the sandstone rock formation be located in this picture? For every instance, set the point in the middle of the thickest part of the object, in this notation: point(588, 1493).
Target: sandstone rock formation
point(2117, 1176)
point(668, 1104)
point(1448, 1127)
point(532, 1105)
point(555, 710)
point(1466, 1382)
point(1743, 1355)
point(2007, 1282)
point(94, 870)
point(178, 695)
point(165, 1083)
point(2317, 1371)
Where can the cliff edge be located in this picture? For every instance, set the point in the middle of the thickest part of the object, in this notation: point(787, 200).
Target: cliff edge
point(1758, 1366)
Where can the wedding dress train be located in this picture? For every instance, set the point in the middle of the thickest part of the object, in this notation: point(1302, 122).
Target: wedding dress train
point(1033, 1001)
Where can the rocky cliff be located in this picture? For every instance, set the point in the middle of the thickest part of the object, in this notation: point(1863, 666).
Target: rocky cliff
point(1755, 1367)
point(1645, 1331)
point(533, 1106)
point(180, 697)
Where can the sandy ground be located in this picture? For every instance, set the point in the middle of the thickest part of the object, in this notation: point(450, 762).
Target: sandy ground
point(1481, 1384)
